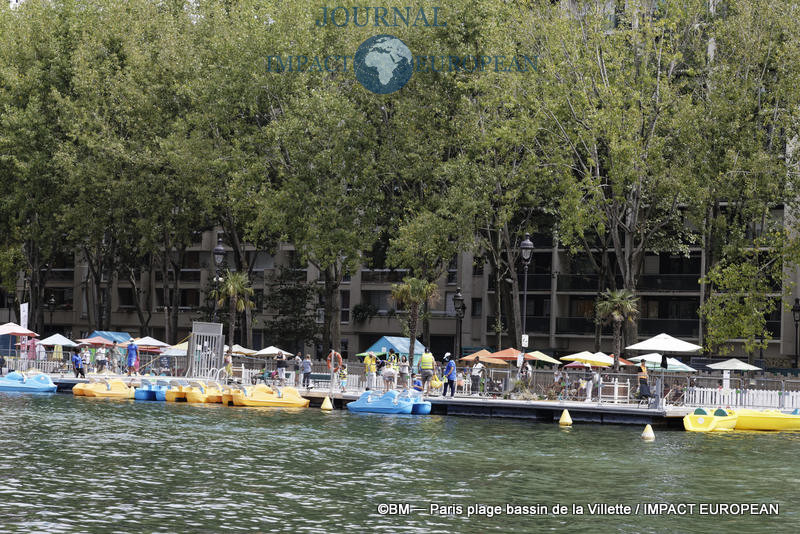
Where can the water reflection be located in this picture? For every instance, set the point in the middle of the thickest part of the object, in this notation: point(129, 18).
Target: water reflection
point(128, 466)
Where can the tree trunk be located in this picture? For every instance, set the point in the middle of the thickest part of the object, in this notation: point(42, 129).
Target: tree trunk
point(413, 315)
point(617, 342)
point(231, 321)
point(514, 326)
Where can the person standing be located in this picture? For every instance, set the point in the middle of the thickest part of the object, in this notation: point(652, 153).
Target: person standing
point(115, 358)
point(280, 364)
point(475, 375)
point(100, 358)
point(132, 357)
point(307, 372)
point(644, 388)
point(449, 376)
point(369, 370)
point(402, 374)
point(77, 365)
point(85, 358)
point(2, 364)
point(298, 363)
point(426, 365)
point(343, 377)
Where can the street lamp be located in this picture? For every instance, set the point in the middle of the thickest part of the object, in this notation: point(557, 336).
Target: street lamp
point(458, 304)
point(526, 251)
point(219, 255)
point(796, 317)
point(51, 305)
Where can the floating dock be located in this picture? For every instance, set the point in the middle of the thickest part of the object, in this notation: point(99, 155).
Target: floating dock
point(538, 411)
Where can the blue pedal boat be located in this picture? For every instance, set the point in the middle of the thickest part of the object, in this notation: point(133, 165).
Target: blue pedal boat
point(150, 392)
point(388, 403)
point(38, 383)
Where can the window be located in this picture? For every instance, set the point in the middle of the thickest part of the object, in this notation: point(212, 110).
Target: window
point(477, 307)
point(126, 297)
point(581, 307)
point(344, 348)
point(344, 296)
point(380, 299)
point(190, 298)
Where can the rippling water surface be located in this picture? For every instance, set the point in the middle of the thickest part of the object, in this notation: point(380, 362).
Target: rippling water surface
point(96, 465)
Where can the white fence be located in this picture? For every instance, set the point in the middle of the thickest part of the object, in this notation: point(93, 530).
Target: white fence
point(742, 398)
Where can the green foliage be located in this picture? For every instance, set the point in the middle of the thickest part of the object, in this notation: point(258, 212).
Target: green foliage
point(616, 307)
point(288, 301)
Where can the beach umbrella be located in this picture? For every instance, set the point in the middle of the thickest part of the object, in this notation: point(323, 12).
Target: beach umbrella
point(96, 341)
point(653, 361)
point(272, 351)
point(13, 329)
point(541, 357)
point(664, 343)
point(147, 341)
point(238, 349)
point(483, 353)
point(733, 364)
point(57, 339)
point(491, 361)
point(577, 365)
point(594, 359)
point(176, 350)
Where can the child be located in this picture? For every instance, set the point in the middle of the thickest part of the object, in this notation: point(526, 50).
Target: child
point(343, 377)
point(417, 383)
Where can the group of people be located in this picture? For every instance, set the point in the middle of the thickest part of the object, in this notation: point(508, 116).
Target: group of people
point(112, 359)
point(301, 366)
point(397, 370)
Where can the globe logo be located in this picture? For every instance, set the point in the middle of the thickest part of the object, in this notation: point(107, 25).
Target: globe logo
point(383, 64)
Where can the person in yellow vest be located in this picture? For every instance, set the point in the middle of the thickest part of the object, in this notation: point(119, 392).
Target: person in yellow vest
point(426, 365)
point(370, 369)
point(644, 387)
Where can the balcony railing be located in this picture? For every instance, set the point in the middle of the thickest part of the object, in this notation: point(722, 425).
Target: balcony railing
point(577, 282)
point(669, 282)
point(534, 325)
point(578, 325)
point(674, 327)
point(382, 276)
point(536, 282)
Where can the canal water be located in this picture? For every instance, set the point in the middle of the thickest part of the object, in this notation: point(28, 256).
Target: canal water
point(95, 465)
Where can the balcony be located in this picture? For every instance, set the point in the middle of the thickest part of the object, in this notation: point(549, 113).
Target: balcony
point(669, 282)
point(536, 282)
point(382, 276)
point(578, 325)
point(673, 327)
point(534, 325)
point(578, 282)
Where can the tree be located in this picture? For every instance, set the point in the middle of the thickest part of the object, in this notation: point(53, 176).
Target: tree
point(616, 307)
point(411, 294)
point(289, 298)
point(236, 291)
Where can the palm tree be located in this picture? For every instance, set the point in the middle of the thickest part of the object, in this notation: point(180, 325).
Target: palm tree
point(412, 294)
point(616, 307)
point(235, 289)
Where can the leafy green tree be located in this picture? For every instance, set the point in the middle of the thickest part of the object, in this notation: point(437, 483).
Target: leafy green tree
point(412, 294)
point(616, 307)
point(289, 302)
point(235, 291)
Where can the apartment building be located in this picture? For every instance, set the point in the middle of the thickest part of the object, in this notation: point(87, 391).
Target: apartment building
point(561, 292)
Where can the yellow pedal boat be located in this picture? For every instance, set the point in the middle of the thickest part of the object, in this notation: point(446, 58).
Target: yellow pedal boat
point(766, 420)
point(702, 421)
point(114, 388)
point(203, 393)
point(177, 391)
point(227, 396)
point(263, 395)
point(79, 389)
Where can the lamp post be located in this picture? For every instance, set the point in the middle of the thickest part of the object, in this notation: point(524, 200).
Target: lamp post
point(51, 305)
point(219, 255)
point(796, 317)
point(526, 251)
point(458, 304)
